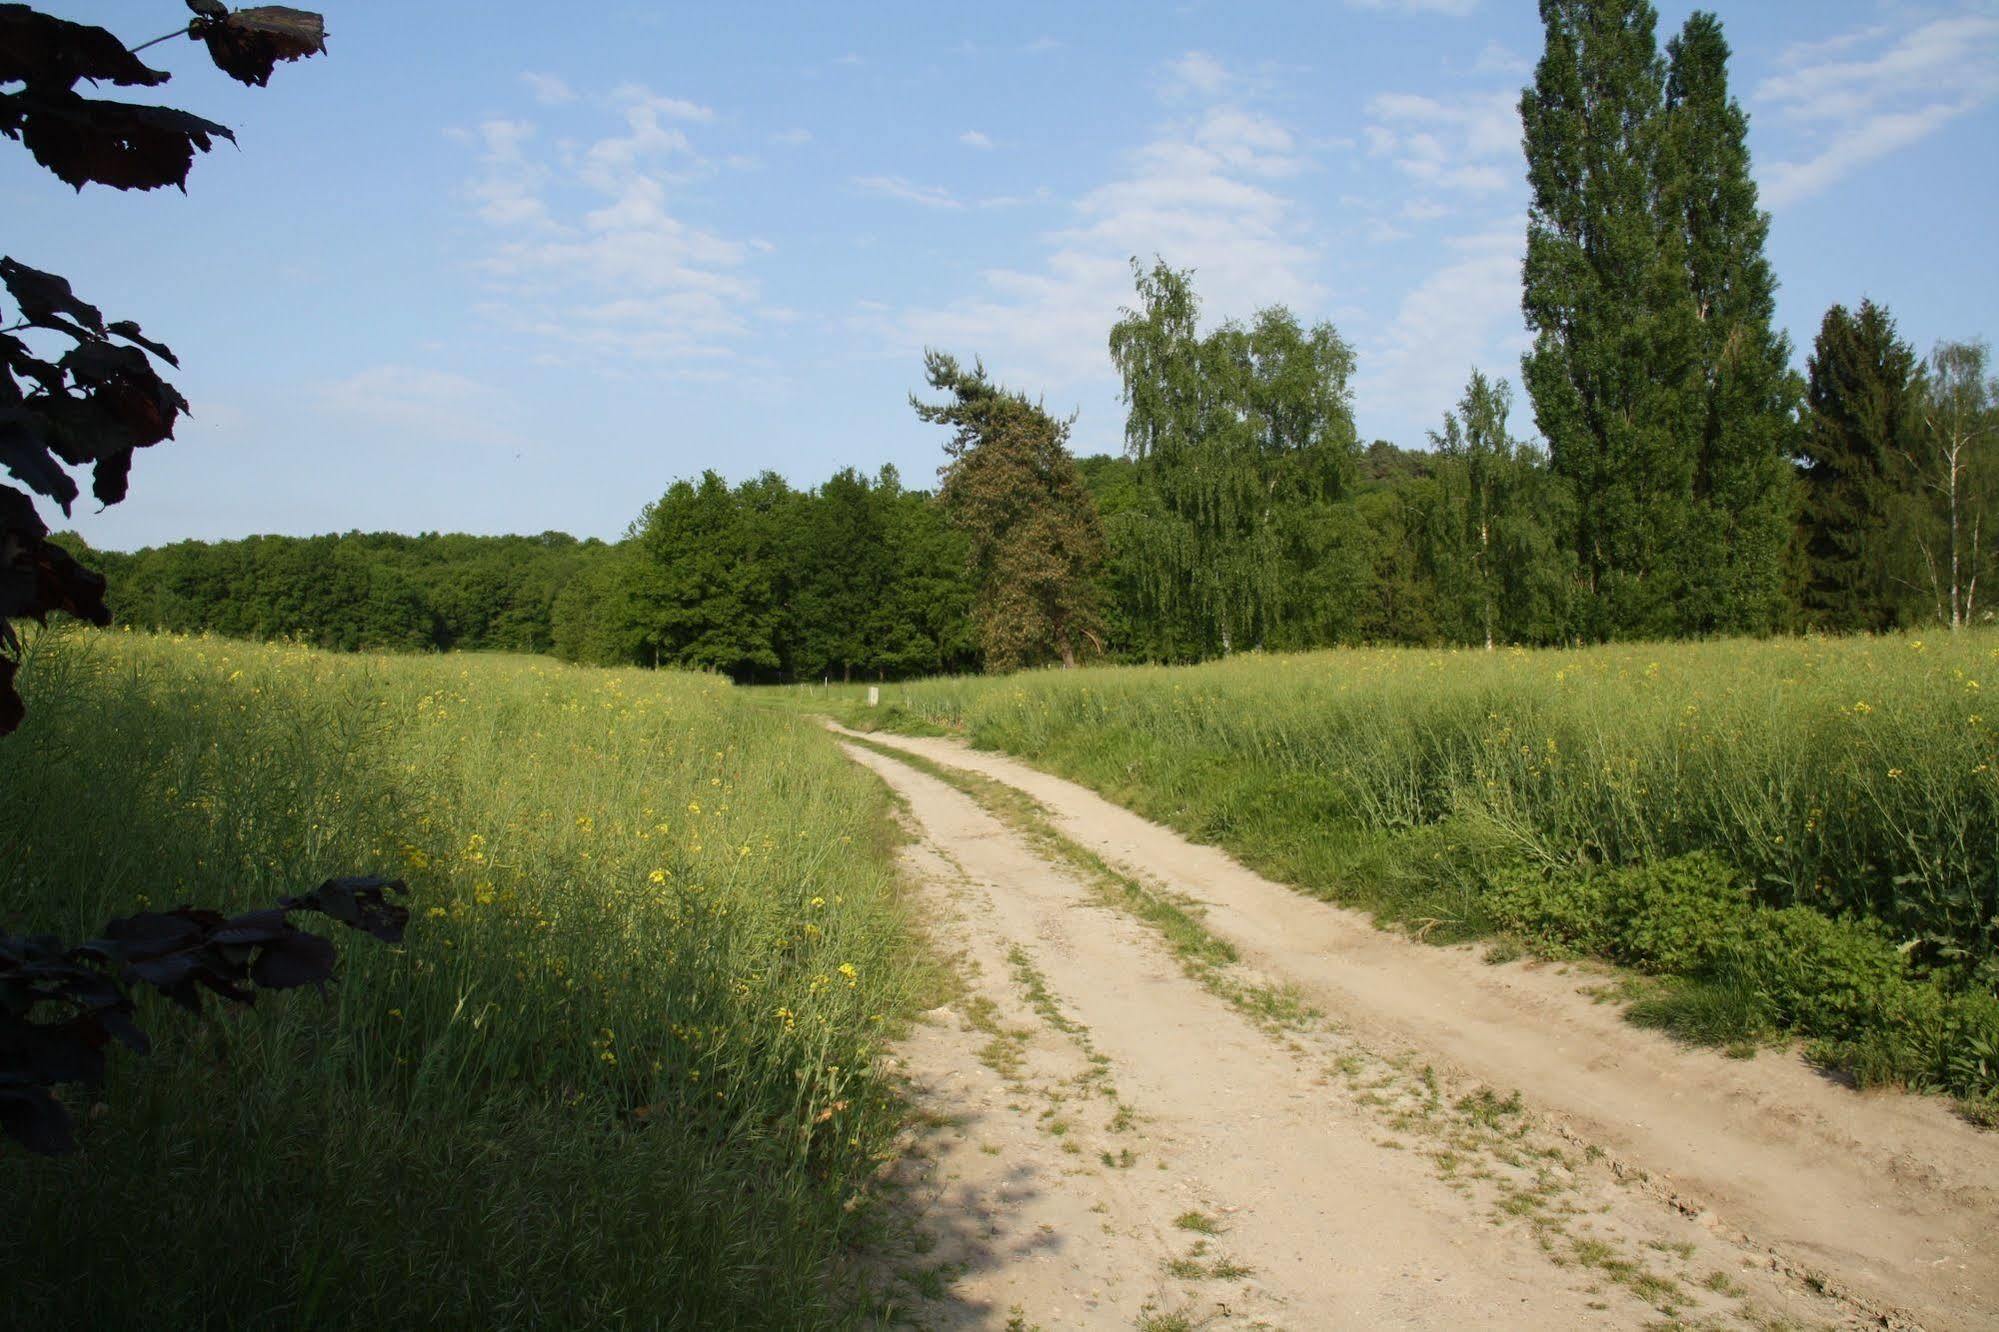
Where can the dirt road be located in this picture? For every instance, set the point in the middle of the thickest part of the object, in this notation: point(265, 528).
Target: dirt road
point(1343, 1128)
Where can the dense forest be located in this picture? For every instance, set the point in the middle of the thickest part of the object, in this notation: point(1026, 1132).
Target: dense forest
point(1685, 477)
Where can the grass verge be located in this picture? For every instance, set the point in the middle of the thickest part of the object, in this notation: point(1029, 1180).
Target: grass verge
point(622, 1071)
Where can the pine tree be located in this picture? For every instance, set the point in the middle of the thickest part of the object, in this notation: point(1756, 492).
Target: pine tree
point(1745, 427)
point(1613, 371)
point(1011, 486)
point(1861, 417)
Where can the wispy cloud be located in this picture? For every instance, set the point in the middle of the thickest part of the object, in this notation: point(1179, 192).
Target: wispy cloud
point(1496, 58)
point(1465, 313)
point(974, 139)
point(548, 89)
point(1469, 142)
point(424, 406)
point(792, 138)
point(908, 191)
point(1860, 107)
point(1454, 8)
point(1204, 193)
point(590, 253)
point(1196, 74)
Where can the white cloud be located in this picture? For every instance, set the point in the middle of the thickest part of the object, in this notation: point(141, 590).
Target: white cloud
point(590, 252)
point(1863, 108)
point(908, 191)
point(974, 139)
point(792, 138)
point(508, 190)
point(1812, 52)
point(1455, 8)
point(1201, 194)
point(1495, 58)
point(1196, 73)
point(548, 89)
point(1465, 313)
point(1469, 142)
point(424, 406)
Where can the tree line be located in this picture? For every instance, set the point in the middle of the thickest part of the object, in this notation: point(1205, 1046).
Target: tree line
point(1687, 481)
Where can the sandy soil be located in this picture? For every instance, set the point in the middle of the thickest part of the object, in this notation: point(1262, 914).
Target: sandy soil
point(1116, 1138)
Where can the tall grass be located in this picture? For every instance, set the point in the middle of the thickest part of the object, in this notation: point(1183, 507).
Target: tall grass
point(620, 1073)
point(1849, 775)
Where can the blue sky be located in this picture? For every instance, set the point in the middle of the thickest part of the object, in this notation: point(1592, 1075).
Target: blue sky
point(503, 267)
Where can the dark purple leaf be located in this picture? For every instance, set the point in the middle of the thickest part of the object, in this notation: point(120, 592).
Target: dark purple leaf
point(299, 958)
point(118, 144)
point(129, 331)
point(46, 52)
point(14, 354)
point(248, 44)
point(43, 296)
point(360, 903)
point(254, 927)
point(24, 454)
point(33, 1117)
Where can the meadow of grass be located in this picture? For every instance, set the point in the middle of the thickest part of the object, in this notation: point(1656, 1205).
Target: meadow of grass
point(621, 1071)
point(1804, 832)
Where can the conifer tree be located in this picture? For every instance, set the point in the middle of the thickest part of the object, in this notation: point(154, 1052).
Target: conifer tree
point(1861, 417)
point(1612, 372)
point(1745, 419)
point(1036, 547)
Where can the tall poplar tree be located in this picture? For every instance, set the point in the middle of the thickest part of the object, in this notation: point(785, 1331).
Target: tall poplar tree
point(1862, 415)
point(1745, 422)
point(1012, 488)
point(1612, 372)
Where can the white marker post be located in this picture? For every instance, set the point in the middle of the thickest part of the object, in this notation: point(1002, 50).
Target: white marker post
point(874, 696)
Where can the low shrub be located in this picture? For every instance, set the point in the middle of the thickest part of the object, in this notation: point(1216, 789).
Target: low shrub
point(1744, 972)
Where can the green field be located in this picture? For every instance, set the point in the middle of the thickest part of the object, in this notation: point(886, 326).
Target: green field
point(1802, 832)
point(621, 1070)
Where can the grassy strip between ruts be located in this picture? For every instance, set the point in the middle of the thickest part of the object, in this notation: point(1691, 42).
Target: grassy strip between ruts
point(1795, 835)
point(1203, 955)
point(621, 1073)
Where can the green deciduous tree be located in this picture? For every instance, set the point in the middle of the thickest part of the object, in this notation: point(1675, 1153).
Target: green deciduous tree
point(704, 585)
point(1035, 547)
point(1493, 534)
point(1240, 438)
point(1955, 468)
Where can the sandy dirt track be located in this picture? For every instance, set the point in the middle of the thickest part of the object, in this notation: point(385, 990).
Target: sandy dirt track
point(1114, 1138)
